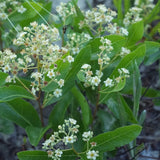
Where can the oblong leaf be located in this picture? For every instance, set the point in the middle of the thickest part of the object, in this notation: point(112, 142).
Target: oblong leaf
point(117, 138)
point(13, 92)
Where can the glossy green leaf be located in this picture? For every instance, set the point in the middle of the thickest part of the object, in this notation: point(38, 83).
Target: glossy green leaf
point(118, 4)
point(33, 155)
point(127, 5)
point(135, 33)
point(137, 89)
point(13, 92)
point(35, 134)
point(26, 111)
point(9, 113)
point(86, 112)
point(57, 115)
point(117, 138)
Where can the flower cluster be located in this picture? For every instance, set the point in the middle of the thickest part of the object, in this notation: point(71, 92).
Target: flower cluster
point(101, 18)
point(105, 48)
point(8, 6)
point(76, 41)
point(65, 10)
point(67, 134)
point(40, 55)
point(146, 5)
point(132, 16)
point(124, 51)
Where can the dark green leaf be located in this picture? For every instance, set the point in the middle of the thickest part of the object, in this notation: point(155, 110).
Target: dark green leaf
point(117, 138)
point(86, 113)
point(26, 111)
point(13, 92)
point(135, 33)
point(36, 133)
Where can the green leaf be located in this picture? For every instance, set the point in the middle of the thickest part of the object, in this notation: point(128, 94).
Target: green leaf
point(26, 111)
point(41, 155)
point(57, 115)
point(107, 121)
point(86, 113)
point(9, 113)
point(126, 5)
point(152, 52)
point(118, 4)
point(117, 138)
point(36, 133)
point(3, 77)
point(137, 89)
point(120, 109)
point(33, 155)
point(135, 33)
point(13, 92)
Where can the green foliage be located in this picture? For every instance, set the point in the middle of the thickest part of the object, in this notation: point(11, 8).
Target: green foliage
point(103, 107)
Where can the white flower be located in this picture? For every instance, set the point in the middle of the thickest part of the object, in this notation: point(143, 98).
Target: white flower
point(75, 50)
point(72, 121)
point(69, 139)
point(70, 59)
point(6, 68)
point(95, 81)
point(124, 31)
point(57, 92)
point(102, 8)
point(125, 70)
point(87, 36)
point(21, 9)
point(20, 61)
point(36, 76)
point(92, 154)
point(86, 66)
point(46, 143)
point(108, 18)
point(8, 79)
point(44, 27)
point(124, 51)
point(87, 135)
point(50, 153)
point(98, 73)
point(33, 90)
point(61, 82)
point(34, 24)
point(55, 32)
point(3, 16)
point(58, 153)
point(108, 82)
point(51, 74)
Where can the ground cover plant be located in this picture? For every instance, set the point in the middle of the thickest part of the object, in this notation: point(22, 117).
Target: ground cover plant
point(84, 65)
